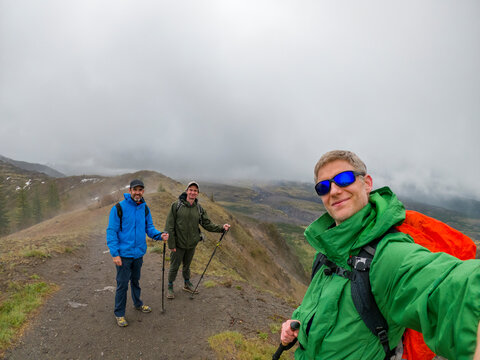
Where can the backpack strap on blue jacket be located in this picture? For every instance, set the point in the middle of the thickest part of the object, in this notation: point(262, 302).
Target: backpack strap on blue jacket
point(120, 213)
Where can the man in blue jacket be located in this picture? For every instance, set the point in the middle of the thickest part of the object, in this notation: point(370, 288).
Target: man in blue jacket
point(129, 221)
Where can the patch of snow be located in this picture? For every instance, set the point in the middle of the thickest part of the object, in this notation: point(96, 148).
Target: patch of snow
point(18, 188)
point(94, 180)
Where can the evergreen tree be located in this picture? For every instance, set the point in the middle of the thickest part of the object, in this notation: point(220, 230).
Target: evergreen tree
point(53, 201)
point(37, 208)
point(4, 220)
point(23, 210)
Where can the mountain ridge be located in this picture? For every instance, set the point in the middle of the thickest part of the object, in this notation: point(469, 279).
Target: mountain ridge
point(33, 167)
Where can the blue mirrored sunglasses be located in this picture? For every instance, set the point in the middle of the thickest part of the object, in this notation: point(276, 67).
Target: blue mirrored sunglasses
point(343, 179)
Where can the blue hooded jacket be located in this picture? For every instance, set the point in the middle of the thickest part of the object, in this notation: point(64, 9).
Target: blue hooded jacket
point(130, 242)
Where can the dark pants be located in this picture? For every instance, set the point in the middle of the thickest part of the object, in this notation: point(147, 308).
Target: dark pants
point(128, 272)
point(181, 256)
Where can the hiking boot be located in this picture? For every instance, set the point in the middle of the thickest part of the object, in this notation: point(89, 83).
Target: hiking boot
point(170, 293)
point(189, 287)
point(144, 308)
point(121, 321)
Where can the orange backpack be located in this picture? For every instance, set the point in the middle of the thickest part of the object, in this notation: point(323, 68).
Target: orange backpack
point(437, 237)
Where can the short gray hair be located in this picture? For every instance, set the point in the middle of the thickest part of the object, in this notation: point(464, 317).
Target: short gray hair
point(352, 158)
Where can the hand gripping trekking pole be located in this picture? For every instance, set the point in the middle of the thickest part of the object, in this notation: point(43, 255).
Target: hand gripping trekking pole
point(211, 257)
point(163, 278)
point(294, 325)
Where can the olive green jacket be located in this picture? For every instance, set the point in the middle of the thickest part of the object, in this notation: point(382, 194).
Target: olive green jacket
point(182, 223)
point(433, 293)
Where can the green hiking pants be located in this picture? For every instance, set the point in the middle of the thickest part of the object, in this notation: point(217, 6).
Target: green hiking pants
point(181, 256)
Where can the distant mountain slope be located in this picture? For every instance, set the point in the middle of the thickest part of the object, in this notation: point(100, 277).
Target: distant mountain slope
point(33, 167)
point(297, 204)
point(283, 202)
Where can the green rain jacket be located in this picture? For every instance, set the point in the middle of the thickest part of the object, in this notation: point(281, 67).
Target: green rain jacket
point(433, 293)
point(182, 224)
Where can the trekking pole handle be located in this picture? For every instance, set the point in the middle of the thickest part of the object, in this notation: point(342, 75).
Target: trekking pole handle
point(294, 325)
point(224, 232)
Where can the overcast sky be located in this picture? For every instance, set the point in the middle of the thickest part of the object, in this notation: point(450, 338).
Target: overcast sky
point(247, 89)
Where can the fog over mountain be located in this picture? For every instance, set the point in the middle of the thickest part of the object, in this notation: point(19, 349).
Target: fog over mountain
point(216, 90)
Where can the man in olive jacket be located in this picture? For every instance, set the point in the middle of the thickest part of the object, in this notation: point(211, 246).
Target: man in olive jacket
point(433, 293)
point(182, 226)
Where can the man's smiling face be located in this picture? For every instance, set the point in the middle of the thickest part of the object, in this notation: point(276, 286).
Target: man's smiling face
point(137, 193)
point(343, 202)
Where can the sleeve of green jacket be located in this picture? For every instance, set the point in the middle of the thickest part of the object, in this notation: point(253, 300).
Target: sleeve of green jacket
point(208, 225)
point(170, 228)
point(434, 293)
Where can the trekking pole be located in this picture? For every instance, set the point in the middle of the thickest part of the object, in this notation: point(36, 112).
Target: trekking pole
point(163, 278)
point(294, 325)
point(211, 257)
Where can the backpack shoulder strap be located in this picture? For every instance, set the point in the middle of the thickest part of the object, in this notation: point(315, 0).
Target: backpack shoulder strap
point(361, 289)
point(200, 209)
point(179, 204)
point(363, 298)
point(200, 213)
point(331, 267)
point(147, 211)
point(119, 213)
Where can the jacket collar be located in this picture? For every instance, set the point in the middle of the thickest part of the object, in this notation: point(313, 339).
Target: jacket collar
point(129, 199)
point(382, 212)
point(183, 198)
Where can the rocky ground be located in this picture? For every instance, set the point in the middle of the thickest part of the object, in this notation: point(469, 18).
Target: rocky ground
point(77, 322)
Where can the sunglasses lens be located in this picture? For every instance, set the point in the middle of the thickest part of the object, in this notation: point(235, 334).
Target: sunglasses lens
point(344, 179)
point(322, 187)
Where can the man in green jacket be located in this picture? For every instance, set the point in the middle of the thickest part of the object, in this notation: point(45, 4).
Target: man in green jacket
point(433, 293)
point(182, 226)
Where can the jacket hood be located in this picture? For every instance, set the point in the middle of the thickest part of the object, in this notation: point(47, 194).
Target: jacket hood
point(382, 212)
point(183, 198)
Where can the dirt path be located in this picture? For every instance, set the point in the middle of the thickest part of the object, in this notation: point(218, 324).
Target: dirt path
point(78, 321)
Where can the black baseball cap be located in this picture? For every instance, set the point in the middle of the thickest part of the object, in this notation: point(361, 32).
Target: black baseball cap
point(136, 182)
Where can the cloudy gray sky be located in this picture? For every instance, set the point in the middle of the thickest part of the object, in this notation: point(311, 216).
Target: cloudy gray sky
point(215, 89)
